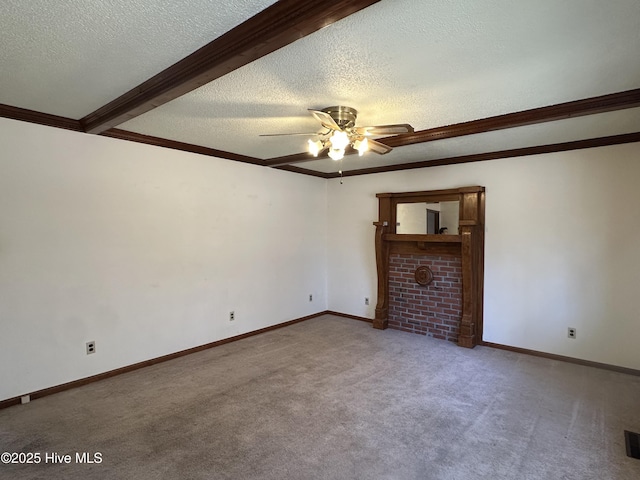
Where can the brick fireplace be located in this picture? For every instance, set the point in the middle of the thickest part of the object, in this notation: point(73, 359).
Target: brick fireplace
point(435, 309)
point(432, 284)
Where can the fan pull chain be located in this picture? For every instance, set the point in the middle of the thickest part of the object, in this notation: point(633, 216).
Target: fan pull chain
point(340, 171)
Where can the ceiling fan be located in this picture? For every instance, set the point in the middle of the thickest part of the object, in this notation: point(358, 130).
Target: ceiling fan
point(341, 132)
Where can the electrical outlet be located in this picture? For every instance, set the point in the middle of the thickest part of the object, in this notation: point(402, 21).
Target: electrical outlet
point(571, 332)
point(232, 316)
point(366, 300)
point(91, 347)
point(310, 298)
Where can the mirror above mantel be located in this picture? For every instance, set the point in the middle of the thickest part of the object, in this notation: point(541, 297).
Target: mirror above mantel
point(428, 218)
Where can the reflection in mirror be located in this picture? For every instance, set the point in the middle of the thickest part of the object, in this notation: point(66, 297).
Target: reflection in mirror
point(421, 218)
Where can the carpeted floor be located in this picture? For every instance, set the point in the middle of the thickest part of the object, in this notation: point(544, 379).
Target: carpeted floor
point(332, 398)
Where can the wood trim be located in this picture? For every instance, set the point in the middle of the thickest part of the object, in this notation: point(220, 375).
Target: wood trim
point(175, 145)
point(438, 195)
point(9, 402)
point(278, 25)
point(421, 238)
point(561, 111)
point(524, 351)
point(31, 116)
point(40, 118)
point(352, 317)
point(302, 171)
point(136, 366)
point(467, 336)
point(479, 266)
point(562, 358)
point(481, 157)
point(381, 320)
point(295, 158)
point(420, 248)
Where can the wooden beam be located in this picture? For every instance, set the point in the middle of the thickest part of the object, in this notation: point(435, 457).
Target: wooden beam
point(282, 23)
point(295, 158)
point(561, 111)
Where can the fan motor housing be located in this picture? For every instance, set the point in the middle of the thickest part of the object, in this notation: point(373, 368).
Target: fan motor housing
point(345, 117)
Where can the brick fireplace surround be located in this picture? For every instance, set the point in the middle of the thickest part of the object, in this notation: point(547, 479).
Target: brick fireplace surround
point(442, 299)
point(435, 309)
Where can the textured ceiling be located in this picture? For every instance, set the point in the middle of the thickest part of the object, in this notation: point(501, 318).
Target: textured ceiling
point(424, 63)
point(69, 57)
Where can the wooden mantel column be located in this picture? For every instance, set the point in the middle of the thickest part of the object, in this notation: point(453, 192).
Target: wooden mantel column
point(381, 319)
point(472, 232)
point(468, 245)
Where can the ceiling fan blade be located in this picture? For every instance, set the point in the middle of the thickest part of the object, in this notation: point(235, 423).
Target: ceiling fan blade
point(325, 119)
point(286, 134)
point(378, 147)
point(394, 129)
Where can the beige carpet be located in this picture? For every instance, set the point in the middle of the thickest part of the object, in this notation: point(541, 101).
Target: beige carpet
point(331, 398)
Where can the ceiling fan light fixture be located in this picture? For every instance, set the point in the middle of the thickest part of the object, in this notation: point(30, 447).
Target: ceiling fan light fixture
point(336, 153)
point(339, 140)
point(362, 145)
point(315, 147)
point(341, 132)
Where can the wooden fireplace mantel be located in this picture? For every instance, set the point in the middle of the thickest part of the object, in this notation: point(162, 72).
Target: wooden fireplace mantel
point(468, 245)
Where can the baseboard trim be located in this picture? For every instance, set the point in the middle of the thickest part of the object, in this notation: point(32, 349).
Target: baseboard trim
point(535, 353)
point(147, 363)
point(9, 402)
point(562, 358)
point(346, 315)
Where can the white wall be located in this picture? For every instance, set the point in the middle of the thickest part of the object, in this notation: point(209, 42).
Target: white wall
point(144, 250)
point(561, 248)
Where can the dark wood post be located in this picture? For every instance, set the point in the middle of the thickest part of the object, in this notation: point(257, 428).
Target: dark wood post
point(383, 226)
point(382, 263)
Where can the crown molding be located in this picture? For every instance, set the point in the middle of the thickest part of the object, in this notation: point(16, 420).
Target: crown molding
point(561, 111)
point(31, 116)
point(175, 145)
point(480, 157)
point(302, 171)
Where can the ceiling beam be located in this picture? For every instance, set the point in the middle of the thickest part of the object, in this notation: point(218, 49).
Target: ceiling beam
point(282, 23)
point(561, 111)
point(480, 157)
